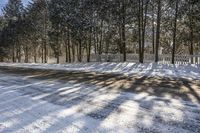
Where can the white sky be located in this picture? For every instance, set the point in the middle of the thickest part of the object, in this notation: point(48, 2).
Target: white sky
point(3, 3)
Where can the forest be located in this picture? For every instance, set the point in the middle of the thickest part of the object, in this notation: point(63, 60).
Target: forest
point(74, 29)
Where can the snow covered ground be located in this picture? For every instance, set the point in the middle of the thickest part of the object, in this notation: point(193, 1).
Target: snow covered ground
point(150, 69)
point(49, 106)
point(39, 105)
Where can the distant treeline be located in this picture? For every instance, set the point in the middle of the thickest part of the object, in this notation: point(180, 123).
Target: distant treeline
point(77, 28)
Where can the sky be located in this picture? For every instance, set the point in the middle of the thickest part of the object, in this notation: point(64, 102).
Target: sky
point(3, 3)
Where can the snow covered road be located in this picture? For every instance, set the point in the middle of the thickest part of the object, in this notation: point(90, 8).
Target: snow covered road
point(31, 103)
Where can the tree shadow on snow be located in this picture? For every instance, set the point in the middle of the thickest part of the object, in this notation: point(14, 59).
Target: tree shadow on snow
point(86, 93)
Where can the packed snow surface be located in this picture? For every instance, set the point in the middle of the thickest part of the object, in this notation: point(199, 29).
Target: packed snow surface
point(150, 69)
point(42, 105)
point(29, 105)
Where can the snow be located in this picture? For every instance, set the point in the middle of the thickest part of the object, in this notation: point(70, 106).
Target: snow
point(43, 106)
point(189, 71)
point(32, 105)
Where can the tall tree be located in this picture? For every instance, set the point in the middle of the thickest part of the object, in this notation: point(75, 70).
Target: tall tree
point(158, 29)
point(12, 13)
point(174, 31)
point(80, 28)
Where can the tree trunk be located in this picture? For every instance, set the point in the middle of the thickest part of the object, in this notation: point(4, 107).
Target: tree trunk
point(191, 45)
point(66, 52)
point(73, 52)
point(174, 32)
point(107, 40)
point(42, 53)
point(58, 41)
point(66, 42)
point(101, 39)
point(139, 31)
point(120, 40)
point(35, 55)
point(45, 52)
point(19, 54)
point(191, 49)
point(26, 54)
point(45, 36)
point(69, 49)
point(89, 46)
point(158, 30)
point(13, 53)
point(144, 29)
point(57, 58)
point(97, 43)
point(80, 51)
point(153, 30)
point(124, 30)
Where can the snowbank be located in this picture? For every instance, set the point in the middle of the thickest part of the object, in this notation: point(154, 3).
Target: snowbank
point(149, 69)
